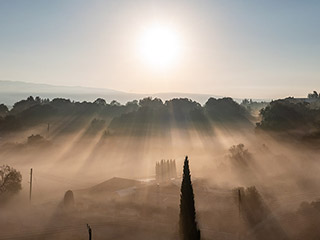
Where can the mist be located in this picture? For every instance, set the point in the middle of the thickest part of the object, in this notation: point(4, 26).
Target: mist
point(109, 164)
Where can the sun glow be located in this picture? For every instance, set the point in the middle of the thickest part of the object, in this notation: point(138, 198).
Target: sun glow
point(159, 46)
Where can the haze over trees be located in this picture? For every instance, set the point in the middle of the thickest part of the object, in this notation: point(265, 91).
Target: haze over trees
point(180, 113)
point(299, 118)
point(3, 110)
point(135, 96)
point(106, 152)
point(314, 95)
point(258, 216)
point(165, 170)
point(10, 182)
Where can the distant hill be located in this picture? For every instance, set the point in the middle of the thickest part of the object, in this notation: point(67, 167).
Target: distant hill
point(11, 92)
point(14, 91)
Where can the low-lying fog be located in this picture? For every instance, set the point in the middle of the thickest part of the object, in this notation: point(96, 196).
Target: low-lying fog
point(130, 204)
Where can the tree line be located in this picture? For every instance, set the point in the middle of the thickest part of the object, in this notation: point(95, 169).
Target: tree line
point(181, 112)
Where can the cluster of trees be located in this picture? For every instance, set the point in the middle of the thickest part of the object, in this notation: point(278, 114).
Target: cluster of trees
point(10, 182)
point(314, 95)
point(252, 207)
point(3, 110)
point(136, 115)
point(253, 106)
point(166, 170)
point(239, 154)
point(257, 215)
point(308, 215)
point(154, 114)
point(180, 113)
point(285, 114)
point(297, 117)
point(34, 111)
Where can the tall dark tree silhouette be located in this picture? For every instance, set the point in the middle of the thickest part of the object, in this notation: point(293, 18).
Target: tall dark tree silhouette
point(188, 225)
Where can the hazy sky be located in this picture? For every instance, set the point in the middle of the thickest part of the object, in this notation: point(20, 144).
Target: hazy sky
point(238, 48)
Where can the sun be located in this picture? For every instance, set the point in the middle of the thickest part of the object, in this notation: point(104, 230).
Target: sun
point(159, 46)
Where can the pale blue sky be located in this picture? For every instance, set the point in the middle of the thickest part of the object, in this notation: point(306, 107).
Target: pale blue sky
point(240, 48)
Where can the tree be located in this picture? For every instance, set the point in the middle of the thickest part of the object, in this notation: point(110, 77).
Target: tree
point(253, 208)
point(284, 115)
point(188, 225)
point(238, 154)
point(100, 101)
point(155, 103)
point(38, 99)
point(313, 95)
point(115, 103)
point(245, 101)
point(259, 218)
point(226, 110)
point(10, 182)
point(22, 105)
point(3, 110)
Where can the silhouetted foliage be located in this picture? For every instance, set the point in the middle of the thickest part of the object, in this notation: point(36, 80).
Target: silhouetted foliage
point(151, 103)
point(187, 222)
point(315, 94)
point(31, 112)
point(152, 114)
point(37, 114)
point(307, 219)
point(239, 155)
point(3, 110)
point(100, 101)
point(252, 207)
point(287, 115)
point(181, 108)
point(10, 182)
point(35, 139)
point(132, 106)
point(149, 114)
point(225, 110)
point(22, 105)
point(115, 103)
point(253, 106)
point(10, 123)
point(257, 215)
point(181, 113)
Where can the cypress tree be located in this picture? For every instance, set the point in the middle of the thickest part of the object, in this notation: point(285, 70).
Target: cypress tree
point(187, 223)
